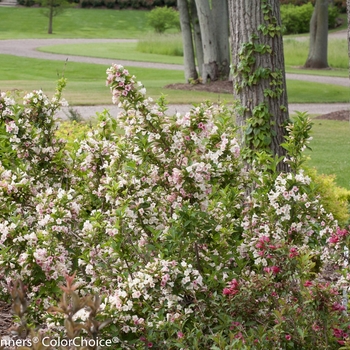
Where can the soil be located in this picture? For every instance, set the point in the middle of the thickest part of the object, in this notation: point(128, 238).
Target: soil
point(5, 318)
point(225, 86)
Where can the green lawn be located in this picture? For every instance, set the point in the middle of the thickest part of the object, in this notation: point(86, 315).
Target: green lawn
point(120, 51)
point(30, 23)
point(86, 82)
point(86, 86)
point(331, 149)
point(295, 53)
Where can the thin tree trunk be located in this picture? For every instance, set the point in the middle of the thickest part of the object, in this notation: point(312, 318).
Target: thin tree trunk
point(348, 11)
point(50, 17)
point(197, 37)
point(210, 68)
point(189, 58)
point(318, 49)
point(221, 19)
point(259, 75)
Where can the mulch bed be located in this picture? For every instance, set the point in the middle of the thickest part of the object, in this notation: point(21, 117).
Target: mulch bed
point(5, 318)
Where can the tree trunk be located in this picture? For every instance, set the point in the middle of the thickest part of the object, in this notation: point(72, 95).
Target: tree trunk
point(348, 11)
point(210, 68)
point(220, 11)
point(189, 58)
point(318, 49)
point(259, 75)
point(51, 10)
point(197, 36)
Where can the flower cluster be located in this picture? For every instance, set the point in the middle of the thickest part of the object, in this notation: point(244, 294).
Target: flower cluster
point(160, 216)
point(232, 288)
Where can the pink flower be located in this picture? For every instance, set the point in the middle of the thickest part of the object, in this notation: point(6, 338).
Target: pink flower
point(307, 284)
point(273, 269)
point(232, 289)
point(288, 337)
point(293, 252)
point(180, 335)
point(338, 307)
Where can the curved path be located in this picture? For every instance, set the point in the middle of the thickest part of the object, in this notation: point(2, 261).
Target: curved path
point(28, 48)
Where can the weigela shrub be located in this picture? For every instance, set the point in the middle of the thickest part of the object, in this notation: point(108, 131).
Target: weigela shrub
point(188, 247)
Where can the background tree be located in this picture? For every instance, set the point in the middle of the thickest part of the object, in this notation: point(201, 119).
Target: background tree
point(187, 39)
point(259, 74)
point(51, 9)
point(318, 49)
point(197, 36)
point(348, 11)
point(210, 37)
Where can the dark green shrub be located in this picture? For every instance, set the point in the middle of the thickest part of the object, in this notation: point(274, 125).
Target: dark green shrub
point(295, 2)
point(341, 5)
point(169, 3)
point(150, 3)
point(135, 4)
point(27, 3)
point(163, 18)
point(96, 3)
point(123, 3)
point(85, 3)
point(296, 19)
point(333, 14)
point(109, 3)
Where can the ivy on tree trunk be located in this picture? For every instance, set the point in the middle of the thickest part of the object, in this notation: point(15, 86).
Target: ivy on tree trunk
point(259, 76)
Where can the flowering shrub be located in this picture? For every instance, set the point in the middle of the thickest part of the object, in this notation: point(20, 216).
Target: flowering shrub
point(159, 215)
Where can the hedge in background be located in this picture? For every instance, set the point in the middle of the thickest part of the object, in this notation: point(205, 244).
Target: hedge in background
point(296, 19)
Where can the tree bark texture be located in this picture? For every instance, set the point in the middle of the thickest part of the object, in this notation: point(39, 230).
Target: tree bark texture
point(51, 15)
point(318, 49)
point(348, 11)
point(211, 17)
point(210, 67)
point(197, 36)
point(221, 20)
point(189, 56)
point(259, 72)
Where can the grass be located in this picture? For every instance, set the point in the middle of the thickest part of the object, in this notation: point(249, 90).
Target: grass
point(168, 48)
point(86, 83)
point(117, 51)
point(307, 92)
point(296, 51)
point(162, 44)
point(30, 23)
point(331, 150)
point(333, 72)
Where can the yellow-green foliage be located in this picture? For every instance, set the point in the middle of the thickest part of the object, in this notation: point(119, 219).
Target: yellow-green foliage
point(72, 130)
point(335, 200)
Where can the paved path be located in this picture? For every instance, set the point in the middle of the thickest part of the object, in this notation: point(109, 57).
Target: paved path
point(28, 48)
point(317, 108)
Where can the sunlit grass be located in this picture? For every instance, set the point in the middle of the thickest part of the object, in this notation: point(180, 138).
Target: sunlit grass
point(331, 149)
point(30, 23)
point(86, 82)
point(116, 51)
point(161, 44)
point(296, 52)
